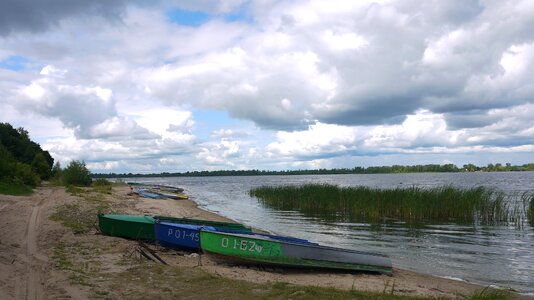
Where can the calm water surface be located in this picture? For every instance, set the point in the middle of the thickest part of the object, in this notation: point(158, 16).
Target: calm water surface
point(488, 255)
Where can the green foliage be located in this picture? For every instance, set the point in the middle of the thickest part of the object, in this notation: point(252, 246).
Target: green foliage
point(102, 185)
point(102, 182)
point(75, 191)
point(25, 175)
point(14, 188)
point(364, 204)
point(528, 203)
point(7, 163)
point(18, 143)
point(56, 170)
point(471, 168)
point(22, 162)
point(491, 294)
point(40, 166)
point(76, 173)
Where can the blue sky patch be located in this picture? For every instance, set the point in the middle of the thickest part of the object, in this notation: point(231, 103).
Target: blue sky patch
point(187, 17)
point(240, 15)
point(207, 121)
point(14, 63)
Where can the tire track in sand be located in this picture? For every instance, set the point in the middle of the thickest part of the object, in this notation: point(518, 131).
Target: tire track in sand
point(34, 288)
point(4, 206)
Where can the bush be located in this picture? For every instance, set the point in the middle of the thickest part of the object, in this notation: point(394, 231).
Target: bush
point(101, 182)
point(76, 173)
point(102, 185)
point(14, 188)
point(40, 166)
point(7, 163)
point(56, 171)
point(24, 174)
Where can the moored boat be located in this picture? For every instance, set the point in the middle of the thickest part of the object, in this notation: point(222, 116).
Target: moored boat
point(170, 195)
point(261, 250)
point(137, 227)
point(147, 194)
point(141, 227)
point(187, 236)
point(218, 224)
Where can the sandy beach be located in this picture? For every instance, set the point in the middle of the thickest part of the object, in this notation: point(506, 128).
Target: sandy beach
point(31, 248)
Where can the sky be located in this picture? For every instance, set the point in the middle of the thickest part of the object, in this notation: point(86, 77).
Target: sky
point(175, 86)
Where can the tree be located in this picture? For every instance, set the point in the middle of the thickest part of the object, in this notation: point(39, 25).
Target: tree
point(25, 175)
point(470, 167)
point(56, 170)
point(40, 166)
point(7, 163)
point(76, 173)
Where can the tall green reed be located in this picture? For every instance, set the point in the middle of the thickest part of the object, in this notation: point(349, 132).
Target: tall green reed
point(528, 205)
point(413, 205)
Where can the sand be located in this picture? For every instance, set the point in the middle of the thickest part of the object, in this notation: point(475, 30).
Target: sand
point(28, 236)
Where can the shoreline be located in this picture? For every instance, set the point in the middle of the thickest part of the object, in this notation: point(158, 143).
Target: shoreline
point(41, 256)
point(407, 282)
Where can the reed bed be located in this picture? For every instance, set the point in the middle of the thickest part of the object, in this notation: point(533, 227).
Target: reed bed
point(528, 204)
point(414, 205)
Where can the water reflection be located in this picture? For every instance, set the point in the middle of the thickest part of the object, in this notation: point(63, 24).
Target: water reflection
point(499, 255)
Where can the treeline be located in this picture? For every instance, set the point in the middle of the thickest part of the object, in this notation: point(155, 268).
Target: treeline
point(22, 161)
point(431, 168)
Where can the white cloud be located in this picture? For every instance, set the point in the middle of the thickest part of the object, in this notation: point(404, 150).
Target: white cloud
point(323, 83)
point(344, 41)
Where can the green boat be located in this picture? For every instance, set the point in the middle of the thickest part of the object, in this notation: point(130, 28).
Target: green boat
point(218, 224)
point(262, 250)
point(137, 227)
point(141, 227)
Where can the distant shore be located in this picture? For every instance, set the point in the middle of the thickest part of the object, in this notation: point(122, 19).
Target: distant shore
point(395, 169)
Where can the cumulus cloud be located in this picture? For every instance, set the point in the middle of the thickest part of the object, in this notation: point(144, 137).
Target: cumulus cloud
point(423, 132)
point(78, 107)
point(321, 82)
point(371, 63)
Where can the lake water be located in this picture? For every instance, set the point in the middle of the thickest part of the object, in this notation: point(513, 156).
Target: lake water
point(488, 255)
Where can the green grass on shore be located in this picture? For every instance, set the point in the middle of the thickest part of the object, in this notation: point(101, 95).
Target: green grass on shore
point(15, 189)
point(413, 204)
point(81, 216)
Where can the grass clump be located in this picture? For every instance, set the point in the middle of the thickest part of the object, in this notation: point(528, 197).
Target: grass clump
point(14, 188)
point(75, 217)
point(75, 191)
point(63, 260)
point(412, 205)
point(491, 294)
point(81, 215)
point(102, 185)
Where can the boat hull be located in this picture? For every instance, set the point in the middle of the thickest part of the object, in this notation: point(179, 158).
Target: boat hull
point(187, 236)
point(265, 250)
point(178, 236)
point(218, 224)
point(127, 226)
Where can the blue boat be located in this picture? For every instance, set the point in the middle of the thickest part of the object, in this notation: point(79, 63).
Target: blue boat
point(144, 193)
point(187, 236)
